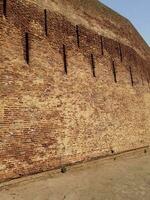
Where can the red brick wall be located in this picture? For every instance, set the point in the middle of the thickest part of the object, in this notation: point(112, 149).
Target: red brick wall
point(49, 118)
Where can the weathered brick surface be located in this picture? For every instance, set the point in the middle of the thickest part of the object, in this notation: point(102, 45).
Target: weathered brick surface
point(48, 118)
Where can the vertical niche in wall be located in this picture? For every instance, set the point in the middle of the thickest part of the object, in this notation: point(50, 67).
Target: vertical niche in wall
point(93, 65)
point(131, 75)
point(45, 22)
point(142, 72)
point(78, 35)
point(5, 8)
point(148, 78)
point(102, 45)
point(65, 59)
point(120, 52)
point(141, 76)
point(26, 47)
point(114, 71)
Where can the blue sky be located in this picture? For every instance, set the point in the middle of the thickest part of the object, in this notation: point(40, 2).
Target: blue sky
point(137, 11)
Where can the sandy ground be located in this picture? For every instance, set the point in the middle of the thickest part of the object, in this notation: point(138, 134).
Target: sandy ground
point(125, 178)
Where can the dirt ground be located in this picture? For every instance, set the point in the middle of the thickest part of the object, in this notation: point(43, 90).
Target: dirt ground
point(127, 177)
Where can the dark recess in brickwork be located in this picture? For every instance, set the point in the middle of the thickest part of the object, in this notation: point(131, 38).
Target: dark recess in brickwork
point(27, 47)
point(142, 78)
point(120, 52)
point(5, 8)
point(65, 59)
point(112, 151)
point(102, 46)
point(114, 71)
point(45, 22)
point(78, 35)
point(131, 75)
point(93, 65)
point(148, 78)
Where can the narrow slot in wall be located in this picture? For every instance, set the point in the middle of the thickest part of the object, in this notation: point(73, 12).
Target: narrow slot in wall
point(120, 52)
point(78, 35)
point(65, 59)
point(5, 8)
point(45, 22)
point(114, 71)
point(93, 65)
point(27, 47)
point(102, 46)
point(142, 78)
point(131, 76)
point(142, 73)
point(148, 80)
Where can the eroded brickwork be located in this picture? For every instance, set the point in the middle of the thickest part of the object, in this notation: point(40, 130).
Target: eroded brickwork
point(79, 96)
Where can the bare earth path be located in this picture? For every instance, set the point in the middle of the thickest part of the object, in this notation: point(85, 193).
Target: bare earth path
point(126, 178)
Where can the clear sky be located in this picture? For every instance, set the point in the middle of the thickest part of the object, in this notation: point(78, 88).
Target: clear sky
point(137, 11)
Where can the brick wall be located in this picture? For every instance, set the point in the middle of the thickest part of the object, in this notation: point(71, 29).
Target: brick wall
point(80, 96)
